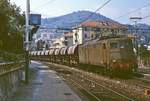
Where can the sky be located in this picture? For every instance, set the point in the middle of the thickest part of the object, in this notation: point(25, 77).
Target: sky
point(113, 10)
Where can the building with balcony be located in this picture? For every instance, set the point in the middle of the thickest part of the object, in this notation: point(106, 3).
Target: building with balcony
point(95, 29)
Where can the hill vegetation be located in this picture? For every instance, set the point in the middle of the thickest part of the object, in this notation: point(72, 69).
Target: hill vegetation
point(73, 19)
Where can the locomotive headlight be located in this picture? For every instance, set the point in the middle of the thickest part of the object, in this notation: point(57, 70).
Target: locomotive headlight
point(114, 61)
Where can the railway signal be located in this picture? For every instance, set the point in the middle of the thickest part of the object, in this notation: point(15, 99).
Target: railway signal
point(35, 22)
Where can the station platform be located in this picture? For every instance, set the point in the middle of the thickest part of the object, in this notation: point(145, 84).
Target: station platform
point(44, 85)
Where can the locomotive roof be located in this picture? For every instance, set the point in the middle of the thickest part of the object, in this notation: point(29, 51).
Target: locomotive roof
point(113, 37)
point(104, 38)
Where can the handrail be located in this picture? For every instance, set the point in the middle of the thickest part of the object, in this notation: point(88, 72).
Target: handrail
point(9, 63)
point(6, 68)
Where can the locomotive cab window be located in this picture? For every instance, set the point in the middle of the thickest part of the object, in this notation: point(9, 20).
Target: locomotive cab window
point(125, 44)
point(113, 45)
point(104, 46)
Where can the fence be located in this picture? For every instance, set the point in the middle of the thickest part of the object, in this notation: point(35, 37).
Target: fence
point(10, 77)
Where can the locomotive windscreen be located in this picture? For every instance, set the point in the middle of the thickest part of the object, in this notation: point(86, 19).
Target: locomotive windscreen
point(121, 49)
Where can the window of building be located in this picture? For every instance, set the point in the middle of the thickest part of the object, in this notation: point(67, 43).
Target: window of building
point(85, 35)
point(76, 34)
point(76, 40)
point(113, 32)
point(65, 38)
point(92, 36)
point(85, 29)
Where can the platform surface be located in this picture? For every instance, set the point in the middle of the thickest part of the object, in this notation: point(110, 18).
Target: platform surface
point(45, 85)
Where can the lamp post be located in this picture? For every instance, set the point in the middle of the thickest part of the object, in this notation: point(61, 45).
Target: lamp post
point(27, 30)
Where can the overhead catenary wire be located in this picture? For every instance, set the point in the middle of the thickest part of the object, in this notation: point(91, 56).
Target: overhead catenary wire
point(147, 5)
point(95, 11)
point(43, 5)
point(146, 16)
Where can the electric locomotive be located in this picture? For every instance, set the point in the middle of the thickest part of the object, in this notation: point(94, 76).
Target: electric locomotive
point(114, 53)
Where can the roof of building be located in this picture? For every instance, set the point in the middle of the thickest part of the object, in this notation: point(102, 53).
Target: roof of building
point(101, 24)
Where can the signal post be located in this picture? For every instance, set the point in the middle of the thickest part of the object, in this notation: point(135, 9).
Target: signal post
point(31, 20)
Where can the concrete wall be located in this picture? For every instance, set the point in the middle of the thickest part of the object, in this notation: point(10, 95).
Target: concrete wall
point(10, 77)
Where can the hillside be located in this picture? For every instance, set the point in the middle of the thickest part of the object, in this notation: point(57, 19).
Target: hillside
point(73, 19)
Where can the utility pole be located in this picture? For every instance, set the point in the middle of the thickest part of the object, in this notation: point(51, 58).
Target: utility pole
point(135, 20)
point(27, 30)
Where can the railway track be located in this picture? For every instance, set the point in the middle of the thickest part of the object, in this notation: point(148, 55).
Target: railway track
point(146, 76)
point(147, 81)
point(98, 91)
point(89, 92)
point(143, 82)
point(103, 88)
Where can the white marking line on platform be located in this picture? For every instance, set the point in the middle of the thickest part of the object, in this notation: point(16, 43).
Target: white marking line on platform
point(36, 62)
point(43, 66)
point(146, 74)
point(47, 71)
point(57, 77)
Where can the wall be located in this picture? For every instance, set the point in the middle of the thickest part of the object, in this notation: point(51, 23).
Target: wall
point(10, 78)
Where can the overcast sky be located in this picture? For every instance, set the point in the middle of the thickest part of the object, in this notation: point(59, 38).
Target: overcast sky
point(116, 8)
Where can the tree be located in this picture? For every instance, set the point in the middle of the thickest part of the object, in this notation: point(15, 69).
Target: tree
point(11, 33)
